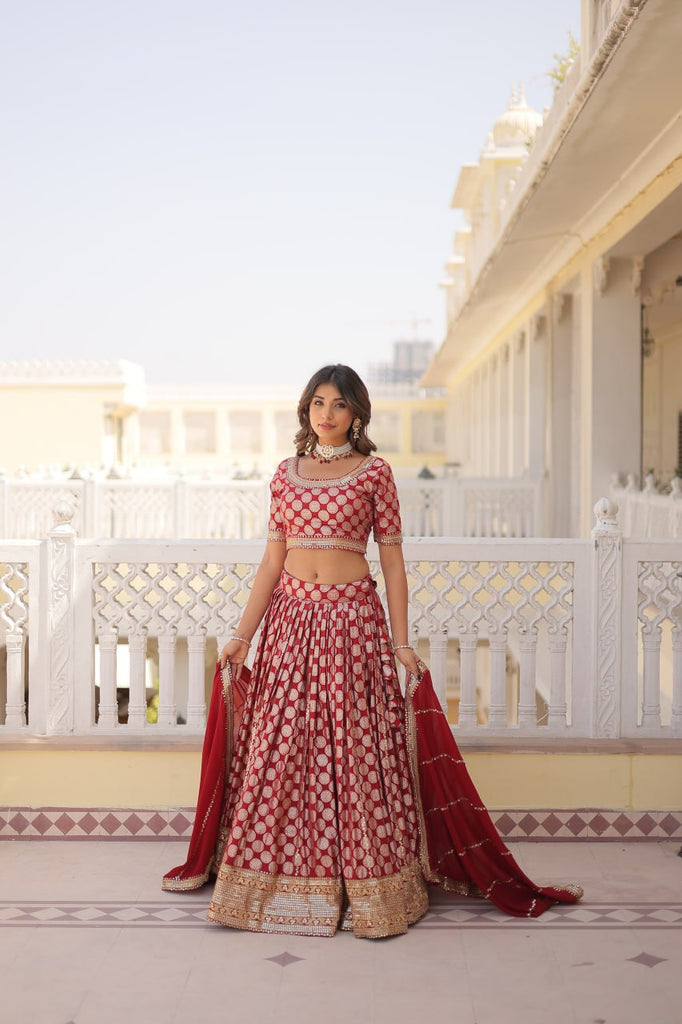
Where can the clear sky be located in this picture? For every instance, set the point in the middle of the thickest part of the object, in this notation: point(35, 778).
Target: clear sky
point(231, 192)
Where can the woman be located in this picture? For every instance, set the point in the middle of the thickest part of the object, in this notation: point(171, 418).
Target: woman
point(321, 821)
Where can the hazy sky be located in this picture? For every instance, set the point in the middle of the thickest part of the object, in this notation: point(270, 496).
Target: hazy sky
point(233, 192)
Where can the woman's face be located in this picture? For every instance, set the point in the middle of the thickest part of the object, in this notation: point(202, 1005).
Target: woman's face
point(330, 415)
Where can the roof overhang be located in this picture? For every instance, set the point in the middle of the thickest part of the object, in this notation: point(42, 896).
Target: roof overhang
point(625, 104)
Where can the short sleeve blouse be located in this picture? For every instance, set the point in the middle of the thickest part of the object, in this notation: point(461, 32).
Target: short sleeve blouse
point(335, 513)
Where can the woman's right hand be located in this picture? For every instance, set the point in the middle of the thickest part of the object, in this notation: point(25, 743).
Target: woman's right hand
point(234, 653)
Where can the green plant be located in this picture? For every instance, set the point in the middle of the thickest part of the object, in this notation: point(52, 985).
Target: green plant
point(563, 61)
point(153, 709)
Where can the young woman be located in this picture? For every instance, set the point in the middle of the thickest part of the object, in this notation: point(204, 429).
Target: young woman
point(315, 818)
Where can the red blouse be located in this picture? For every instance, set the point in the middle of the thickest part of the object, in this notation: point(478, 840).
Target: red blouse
point(335, 513)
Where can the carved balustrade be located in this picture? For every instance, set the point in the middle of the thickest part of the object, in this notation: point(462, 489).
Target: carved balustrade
point(219, 509)
point(529, 637)
point(647, 513)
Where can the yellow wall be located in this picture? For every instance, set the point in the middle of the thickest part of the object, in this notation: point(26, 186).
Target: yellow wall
point(406, 459)
point(506, 780)
point(53, 424)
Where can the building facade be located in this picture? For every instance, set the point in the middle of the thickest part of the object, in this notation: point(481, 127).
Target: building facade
point(94, 417)
point(563, 352)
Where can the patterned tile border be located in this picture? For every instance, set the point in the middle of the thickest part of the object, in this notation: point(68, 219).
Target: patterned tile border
point(67, 823)
point(190, 912)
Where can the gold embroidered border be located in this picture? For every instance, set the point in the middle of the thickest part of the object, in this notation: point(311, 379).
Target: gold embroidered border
point(439, 757)
point(388, 538)
point(187, 884)
point(261, 902)
point(453, 803)
point(325, 543)
point(371, 908)
point(387, 906)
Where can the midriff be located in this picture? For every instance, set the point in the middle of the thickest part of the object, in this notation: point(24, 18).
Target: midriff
point(326, 565)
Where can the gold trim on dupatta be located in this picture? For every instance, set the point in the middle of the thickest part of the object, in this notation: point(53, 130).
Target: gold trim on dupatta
point(196, 881)
point(432, 876)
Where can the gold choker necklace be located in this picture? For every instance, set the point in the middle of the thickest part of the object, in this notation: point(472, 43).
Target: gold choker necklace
point(329, 452)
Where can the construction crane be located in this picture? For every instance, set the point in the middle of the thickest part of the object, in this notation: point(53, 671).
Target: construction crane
point(414, 321)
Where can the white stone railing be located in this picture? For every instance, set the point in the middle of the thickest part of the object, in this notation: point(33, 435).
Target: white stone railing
point(168, 508)
point(471, 507)
point(647, 513)
point(163, 508)
point(537, 637)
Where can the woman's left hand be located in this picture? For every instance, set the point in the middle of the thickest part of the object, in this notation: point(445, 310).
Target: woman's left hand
point(408, 658)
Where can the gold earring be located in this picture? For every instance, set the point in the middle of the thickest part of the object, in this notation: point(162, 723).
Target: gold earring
point(357, 423)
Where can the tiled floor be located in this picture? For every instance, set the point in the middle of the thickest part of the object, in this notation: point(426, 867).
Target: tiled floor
point(86, 936)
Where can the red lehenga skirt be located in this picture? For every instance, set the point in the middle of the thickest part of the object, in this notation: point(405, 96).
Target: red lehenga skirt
point(327, 799)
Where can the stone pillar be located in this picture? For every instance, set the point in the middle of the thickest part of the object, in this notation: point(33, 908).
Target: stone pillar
point(505, 407)
point(537, 396)
point(610, 379)
point(561, 411)
point(60, 612)
point(607, 574)
point(519, 425)
point(477, 424)
point(495, 414)
point(177, 438)
point(485, 426)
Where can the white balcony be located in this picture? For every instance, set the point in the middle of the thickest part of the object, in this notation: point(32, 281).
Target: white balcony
point(539, 638)
point(213, 509)
point(650, 513)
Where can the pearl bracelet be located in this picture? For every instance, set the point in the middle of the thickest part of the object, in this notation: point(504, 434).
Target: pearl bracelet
point(241, 640)
point(402, 647)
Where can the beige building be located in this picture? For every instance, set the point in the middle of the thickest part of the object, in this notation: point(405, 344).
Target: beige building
point(61, 413)
point(563, 352)
point(101, 415)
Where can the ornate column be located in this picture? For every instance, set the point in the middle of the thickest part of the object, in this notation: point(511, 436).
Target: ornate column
point(60, 555)
point(15, 707)
point(468, 708)
point(607, 571)
point(196, 701)
point(611, 375)
point(438, 645)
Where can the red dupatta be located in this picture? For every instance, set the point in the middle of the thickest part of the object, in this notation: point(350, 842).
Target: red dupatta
point(224, 717)
point(460, 848)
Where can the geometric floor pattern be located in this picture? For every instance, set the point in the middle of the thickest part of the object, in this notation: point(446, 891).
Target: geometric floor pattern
point(88, 937)
point(181, 913)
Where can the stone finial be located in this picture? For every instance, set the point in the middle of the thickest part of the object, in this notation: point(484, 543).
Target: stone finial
point(606, 514)
point(632, 482)
point(650, 483)
point(63, 513)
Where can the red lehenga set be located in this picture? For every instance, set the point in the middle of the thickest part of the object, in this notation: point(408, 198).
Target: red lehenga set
point(327, 799)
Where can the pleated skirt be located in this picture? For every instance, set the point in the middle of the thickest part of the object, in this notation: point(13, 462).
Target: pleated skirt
point(319, 828)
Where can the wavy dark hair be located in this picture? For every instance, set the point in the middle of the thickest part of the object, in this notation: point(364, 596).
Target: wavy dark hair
point(353, 392)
